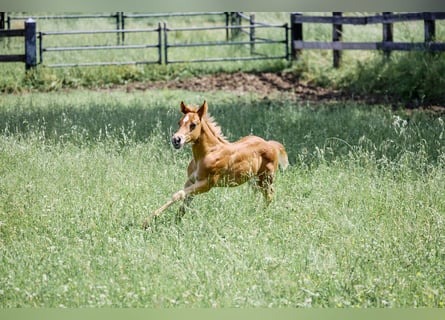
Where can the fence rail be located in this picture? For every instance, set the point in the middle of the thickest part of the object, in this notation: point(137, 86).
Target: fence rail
point(12, 33)
point(386, 45)
point(390, 46)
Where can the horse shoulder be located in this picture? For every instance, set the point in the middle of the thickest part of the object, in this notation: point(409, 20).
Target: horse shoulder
point(215, 159)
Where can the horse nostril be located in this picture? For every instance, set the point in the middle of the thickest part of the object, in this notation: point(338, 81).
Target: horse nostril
point(176, 141)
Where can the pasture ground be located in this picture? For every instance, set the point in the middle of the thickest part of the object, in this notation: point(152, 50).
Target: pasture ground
point(357, 221)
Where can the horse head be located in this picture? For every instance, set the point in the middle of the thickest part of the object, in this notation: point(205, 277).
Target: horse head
point(190, 125)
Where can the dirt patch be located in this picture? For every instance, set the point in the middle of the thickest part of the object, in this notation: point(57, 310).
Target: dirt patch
point(261, 84)
point(268, 84)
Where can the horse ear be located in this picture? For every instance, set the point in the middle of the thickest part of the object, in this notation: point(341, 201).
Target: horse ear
point(184, 108)
point(203, 109)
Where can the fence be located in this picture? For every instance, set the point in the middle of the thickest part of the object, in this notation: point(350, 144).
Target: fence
point(387, 19)
point(118, 19)
point(125, 17)
point(166, 41)
point(144, 46)
point(29, 34)
point(252, 42)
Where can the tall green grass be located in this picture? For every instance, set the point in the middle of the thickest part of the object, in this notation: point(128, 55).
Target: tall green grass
point(357, 219)
point(416, 78)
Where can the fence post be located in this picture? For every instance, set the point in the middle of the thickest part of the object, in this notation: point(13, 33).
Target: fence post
point(252, 33)
point(160, 43)
point(227, 25)
point(388, 35)
point(2, 23)
point(286, 37)
point(2, 20)
point(30, 44)
point(296, 34)
point(165, 44)
point(430, 28)
point(337, 31)
point(41, 47)
point(118, 26)
point(235, 19)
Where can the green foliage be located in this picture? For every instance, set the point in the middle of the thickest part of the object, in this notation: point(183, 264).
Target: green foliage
point(357, 219)
point(415, 77)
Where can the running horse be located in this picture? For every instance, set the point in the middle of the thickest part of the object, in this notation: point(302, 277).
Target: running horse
point(217, 162)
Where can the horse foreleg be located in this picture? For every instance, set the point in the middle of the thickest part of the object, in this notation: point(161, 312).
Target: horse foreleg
point(191, 171)
point(195, 188)
point(176, 197)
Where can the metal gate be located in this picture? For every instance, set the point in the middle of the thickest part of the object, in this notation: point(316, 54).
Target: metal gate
point(162, 45)
point(156, 46)
point(249, 46)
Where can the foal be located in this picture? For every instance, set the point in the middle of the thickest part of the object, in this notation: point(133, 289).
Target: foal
point(216, 162)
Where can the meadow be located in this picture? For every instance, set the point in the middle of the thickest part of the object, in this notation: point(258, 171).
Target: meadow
point(357, 219)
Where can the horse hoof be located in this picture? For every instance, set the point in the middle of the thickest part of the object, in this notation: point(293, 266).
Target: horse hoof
point(146, 224)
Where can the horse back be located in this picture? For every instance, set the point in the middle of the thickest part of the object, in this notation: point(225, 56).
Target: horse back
point(270, 151)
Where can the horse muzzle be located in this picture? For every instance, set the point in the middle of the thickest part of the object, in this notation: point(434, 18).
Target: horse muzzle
point(178, 141)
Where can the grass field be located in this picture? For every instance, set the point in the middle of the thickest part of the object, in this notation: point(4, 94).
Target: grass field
point(357, 221)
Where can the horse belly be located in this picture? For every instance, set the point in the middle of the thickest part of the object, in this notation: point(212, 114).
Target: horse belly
point(240, 169)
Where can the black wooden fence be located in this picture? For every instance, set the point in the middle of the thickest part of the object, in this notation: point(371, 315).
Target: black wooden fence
point(387, 19)
point(29, 36)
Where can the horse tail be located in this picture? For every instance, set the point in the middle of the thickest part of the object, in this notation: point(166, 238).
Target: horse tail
point(282, 154)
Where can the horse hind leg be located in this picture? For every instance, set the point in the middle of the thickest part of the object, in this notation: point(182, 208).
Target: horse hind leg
point(265, 184)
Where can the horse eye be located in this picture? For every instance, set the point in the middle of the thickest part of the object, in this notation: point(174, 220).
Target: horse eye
point(192, 126)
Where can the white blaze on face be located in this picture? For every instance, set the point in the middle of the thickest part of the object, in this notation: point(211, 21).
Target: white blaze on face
point(186, 118)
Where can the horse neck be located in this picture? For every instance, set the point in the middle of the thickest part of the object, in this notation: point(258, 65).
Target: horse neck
point(207, 141)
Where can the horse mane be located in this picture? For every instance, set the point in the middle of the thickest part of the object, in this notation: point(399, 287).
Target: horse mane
point(214, 127)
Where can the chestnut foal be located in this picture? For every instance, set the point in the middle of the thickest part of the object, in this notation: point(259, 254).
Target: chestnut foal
point(216, 162)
